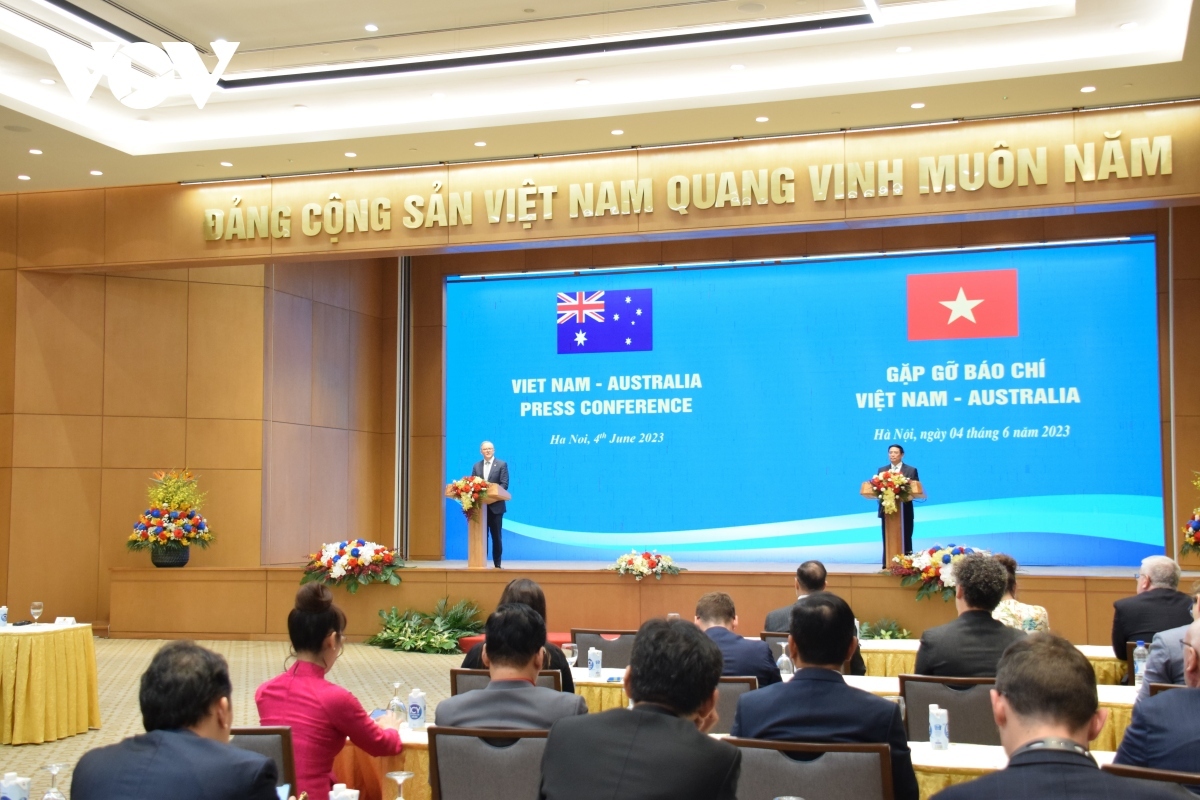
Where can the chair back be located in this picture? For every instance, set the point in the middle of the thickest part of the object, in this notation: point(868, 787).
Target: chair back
point(465, 680)
point(1148, 774)
point(828, 771)
point(502, 764)
point(968, 701)
point(777, 641)
point(274, 742)
point(1156, 688)
point(729, 690)
point(617, 648)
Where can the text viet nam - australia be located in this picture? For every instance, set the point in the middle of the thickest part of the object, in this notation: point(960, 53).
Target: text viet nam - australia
point(907, 374)
point(596, 406)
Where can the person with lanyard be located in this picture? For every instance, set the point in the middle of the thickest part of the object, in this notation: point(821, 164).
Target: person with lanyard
point(1046, 708)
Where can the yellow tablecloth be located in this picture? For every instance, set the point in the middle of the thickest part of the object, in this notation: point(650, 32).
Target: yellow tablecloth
point(366, 773)
point(48, 687)
point(892, 658)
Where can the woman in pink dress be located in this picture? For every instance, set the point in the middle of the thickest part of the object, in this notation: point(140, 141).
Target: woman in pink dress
point(321, 714)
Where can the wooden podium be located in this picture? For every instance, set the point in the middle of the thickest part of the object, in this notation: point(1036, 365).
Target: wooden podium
point(893, 536)
point(477, 525)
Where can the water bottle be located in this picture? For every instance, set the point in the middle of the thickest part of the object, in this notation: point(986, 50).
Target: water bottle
point(1140, 654)
point(784, 663)
point(14, 787)
point(939, 727)
point(595, 659)
point(416, 709)
point(3, 615)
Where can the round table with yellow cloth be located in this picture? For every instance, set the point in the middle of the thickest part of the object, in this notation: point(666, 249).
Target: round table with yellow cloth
point(367, 773)
point(891, 657)
point(940, 769)
point(48, 686)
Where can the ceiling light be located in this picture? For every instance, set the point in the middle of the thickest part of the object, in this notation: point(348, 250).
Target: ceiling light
point(300, 108)
point(762, 119)
point(22, 177)
point(736, 67)
point(481, 144)
point(617, 132)
point(96, 172)
point(917, 105)
point(226, 164)
point(529, 10)
point(48, 81)
point(904, 49)
point(220, 41)
point(1088, 89)
point(582, 82)
point(351, 155)
point(35, 152)
point(1127, 26)
point(370, 27)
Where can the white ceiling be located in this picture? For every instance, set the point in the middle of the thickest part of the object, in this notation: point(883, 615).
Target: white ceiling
point(968, 58)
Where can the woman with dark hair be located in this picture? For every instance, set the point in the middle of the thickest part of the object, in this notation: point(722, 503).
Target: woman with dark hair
point(523, 590)
point(1012, 613)
point(321, 714)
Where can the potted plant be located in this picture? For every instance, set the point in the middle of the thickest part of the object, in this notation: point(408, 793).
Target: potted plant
point(172, 524)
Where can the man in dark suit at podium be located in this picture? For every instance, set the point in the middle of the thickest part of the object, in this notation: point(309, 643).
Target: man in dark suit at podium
point(896, 464)
point(493, 470)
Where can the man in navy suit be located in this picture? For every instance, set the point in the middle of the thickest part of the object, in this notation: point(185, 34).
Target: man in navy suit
point(1165, 732)
point(1046, 708)
point(493, 470)
point(717, 617)
point(185, 753)
point(816, 705)
point(896, 464)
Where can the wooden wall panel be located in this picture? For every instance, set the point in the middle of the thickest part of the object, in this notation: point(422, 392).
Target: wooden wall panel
point(8, 338)
point(291, 370)
point(330, 365)
point(234, 509)
point(190, 603)
point(60, 228)
point(145, 375)
point(8, 231)
point(55, 440)
point(59, 344)
point(225, 351)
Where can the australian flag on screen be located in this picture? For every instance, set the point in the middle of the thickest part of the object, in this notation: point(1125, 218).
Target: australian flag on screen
point(613, 321)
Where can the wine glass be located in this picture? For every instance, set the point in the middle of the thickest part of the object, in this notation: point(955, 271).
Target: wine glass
point(35, 611)
point(571, 651)
point(53, 792)
point(400, 777)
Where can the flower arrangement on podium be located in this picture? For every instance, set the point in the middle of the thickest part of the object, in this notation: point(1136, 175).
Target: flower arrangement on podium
point(643, 565)
point(1191, 528)
point(932, 569)
point(468, 492)
point(173, 523)
point(352, 564)
point(891, 488)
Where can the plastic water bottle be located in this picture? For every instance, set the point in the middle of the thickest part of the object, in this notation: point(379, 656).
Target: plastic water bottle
point(784, 663)
point(416, 709)
point(1140, 654)
point(3, 615)
point(939, 727)
point(595, 661)
point(14, 787)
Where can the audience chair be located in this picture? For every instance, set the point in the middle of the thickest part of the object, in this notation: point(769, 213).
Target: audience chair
point(813, 771)
point(1155, 688)
point(730, 689)
point(470, 763)
point(1148, 774)
point(967, 699)
point(777, 641)
point(464, 680)
point(274, 742)
point(617, 646)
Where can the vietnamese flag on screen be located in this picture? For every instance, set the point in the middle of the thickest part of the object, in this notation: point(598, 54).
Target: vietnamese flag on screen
point(962, 305)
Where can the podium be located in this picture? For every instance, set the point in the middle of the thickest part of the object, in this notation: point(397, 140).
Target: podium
point(477, 525)
point(893, 534)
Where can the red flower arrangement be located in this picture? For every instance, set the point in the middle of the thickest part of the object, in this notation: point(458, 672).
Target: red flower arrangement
point(467, 492)
point(352, 564)
point(891, 488)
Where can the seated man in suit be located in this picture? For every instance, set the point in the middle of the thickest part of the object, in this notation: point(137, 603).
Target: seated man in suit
point(1165, 662)
point(1165, 732)
point(1046, 708)
point(717, 617)
point(514, 653)
point(816, 705)
point(970, 646)
point(811, 577)
point(658, 748)
point(185, 753)
point(1157, 606)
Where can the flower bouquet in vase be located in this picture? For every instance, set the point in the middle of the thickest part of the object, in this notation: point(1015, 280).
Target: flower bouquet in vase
point(932, 570)
point(468, 492)
point(891, 488)
point(642, 565)
point(172, 524)
point(352, 564)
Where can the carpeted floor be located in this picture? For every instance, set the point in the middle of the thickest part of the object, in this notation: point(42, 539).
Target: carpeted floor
point(366, 671)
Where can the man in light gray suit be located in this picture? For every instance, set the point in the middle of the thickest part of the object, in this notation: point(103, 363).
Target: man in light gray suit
point(1165, 662)
point(514, 654)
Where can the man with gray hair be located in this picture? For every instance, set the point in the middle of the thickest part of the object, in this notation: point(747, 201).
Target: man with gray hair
point(1157, 605)
point(493, 470)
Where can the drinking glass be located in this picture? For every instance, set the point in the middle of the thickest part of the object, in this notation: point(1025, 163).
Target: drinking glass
point(400, 777)
point(571, 651)
point(53, 792)
point(35, 610)
point(397, 705)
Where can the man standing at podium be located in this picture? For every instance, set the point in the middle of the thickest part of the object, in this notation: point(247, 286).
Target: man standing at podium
point(896, 464)
point(493, 470)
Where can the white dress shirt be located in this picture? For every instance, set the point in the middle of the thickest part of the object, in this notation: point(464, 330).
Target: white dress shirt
point(487, 468)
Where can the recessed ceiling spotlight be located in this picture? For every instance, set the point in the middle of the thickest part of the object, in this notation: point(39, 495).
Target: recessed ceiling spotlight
point(529, 10)
point(48, 81)
point(917, 105)
point(736, 67)
point(350, 155)
point(35, 152)
point(582, 82)
point(22, 177)
point(370, 27)
point(300, 108)
point(481, 144)
point(226, 164)
point(1127, 26)
point(1088, 89)
point(762, 119)
point(904, 49)
point(221, 41)
point(96, 172)
point(617, 132)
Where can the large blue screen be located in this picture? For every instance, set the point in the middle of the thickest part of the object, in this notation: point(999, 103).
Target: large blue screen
point(730, 413)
